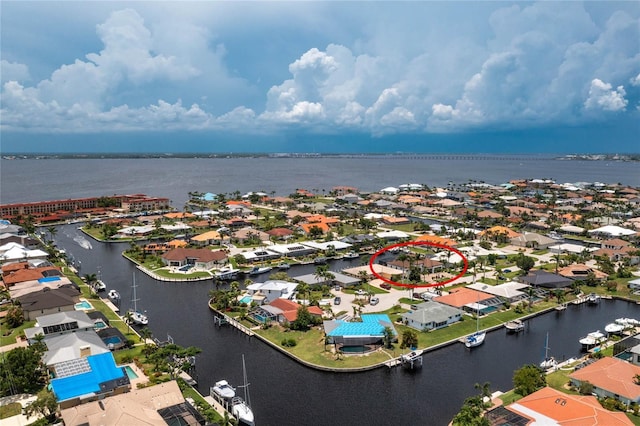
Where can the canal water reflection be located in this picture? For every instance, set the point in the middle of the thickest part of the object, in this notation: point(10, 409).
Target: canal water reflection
point(286, 393)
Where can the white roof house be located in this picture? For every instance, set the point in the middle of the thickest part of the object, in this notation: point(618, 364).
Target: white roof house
point(71, 346)
point(273, 289)
point(389, 190)
point(613, 231)
point(336, 245)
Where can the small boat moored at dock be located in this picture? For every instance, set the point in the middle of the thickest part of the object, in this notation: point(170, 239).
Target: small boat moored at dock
point(224, 390)
point(514, 326)
point(257, 270)
point(548, 361)
point(114, 295)
point(614, 328)
point(592, 339)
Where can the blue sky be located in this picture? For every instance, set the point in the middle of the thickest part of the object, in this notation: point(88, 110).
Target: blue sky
point(320, 76)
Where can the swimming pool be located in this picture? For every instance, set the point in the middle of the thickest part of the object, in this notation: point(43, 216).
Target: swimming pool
point(246, 300)
point(112, 340)
point(99, 325)
point(260, 318)
point(83, 306)
point(130, 373)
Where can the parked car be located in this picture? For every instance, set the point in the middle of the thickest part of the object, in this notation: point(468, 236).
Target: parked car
point(386, 286)
point(374, 301)
point(506, 271)
point(337, 300)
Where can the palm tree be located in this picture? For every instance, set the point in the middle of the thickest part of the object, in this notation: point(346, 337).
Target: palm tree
point(485, 392)
point(52, 232)
point(128, 318)
point(559, 294)
point(304, 289)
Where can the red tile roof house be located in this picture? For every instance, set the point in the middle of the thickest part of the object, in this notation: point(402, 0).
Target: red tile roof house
point(551, 407)
point(200, 258)
point(610, 377)
point(283, 310)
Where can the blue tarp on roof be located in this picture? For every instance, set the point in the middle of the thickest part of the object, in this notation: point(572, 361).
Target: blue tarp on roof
point(48, 279)
point(103, 369)
point(371, 325)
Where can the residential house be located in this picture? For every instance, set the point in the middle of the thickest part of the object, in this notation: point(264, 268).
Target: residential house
point(248, 234)
point(611, 377)
point(544, 279)
point(616, 250)
point(580, 271)
point(48, 301)
point(282, 311)
point(509, 292)
point(208, 238)
point(370, 331)
point(199, 258)
point(58, 324)
point(533, 240)
point(470, 300)
point(432, 316)
point(265, 293)
point(156, 405)
point(548, 406)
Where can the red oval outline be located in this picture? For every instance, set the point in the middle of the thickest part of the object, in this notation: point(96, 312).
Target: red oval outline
point(419, 243)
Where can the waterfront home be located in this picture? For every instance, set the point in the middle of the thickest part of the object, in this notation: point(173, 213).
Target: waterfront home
point(156, 405)
point(611, 378)
point(14, 252)
point(612, 231)
point(431, 316)
point(509, 292)
point(328, 246)
point(368, 332)
point(249, 234)
point(199, 258)
point(48, 301)
point(437, 240)
point(20, 289)
point(89, 378)
point(549, 406)
point(544, 279)
point(65, 349)
point(292, 250)
point(280, 233)
point(337, 278)
point(282, 311)
point(497, 232)
point(58, 324)
point(470, 300)
point(15, 273)
point(268, 291)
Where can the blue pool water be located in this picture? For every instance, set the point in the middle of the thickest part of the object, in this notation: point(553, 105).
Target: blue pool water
point(185, 268)
point(246, 299)
point(112, 339)
point(83, 306)
point(130, 373)
point(260, 318)
point(99, 325)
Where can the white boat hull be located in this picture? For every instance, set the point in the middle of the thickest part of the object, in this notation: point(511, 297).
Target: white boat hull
point(224, 390)
point(474, 340)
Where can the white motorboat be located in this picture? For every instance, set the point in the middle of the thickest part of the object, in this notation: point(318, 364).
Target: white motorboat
point(99, 285)
point(514, 326)
point(114, 295)
point(226, 274)
point(283, 266)
point(592, 339)
point(351, 255)
point(593, 299)
point(408, 357)
point(257, 270)
point(628, 322)
point(614, 328)
point(224, 390)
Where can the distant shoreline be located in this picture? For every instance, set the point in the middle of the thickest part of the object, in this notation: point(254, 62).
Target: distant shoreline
point(396, 155)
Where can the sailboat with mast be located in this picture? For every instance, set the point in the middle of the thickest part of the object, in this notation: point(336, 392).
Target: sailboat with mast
point(548, 361)
point(136, 316)
point(477, 338)
point(241, 408)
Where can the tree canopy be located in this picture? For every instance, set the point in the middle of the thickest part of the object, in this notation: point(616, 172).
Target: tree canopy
point(529, 379)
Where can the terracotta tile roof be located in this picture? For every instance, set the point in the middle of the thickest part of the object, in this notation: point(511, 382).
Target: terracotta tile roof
point(210, 235)
point(280, 232)
point(290, 309)
point(178, 215)
point(438, 240)
point(613, 375)
point(500, 230)
point(580, 270)
point(567, 410)
point(32, 274)
point(489, 214)
point(202, 255)
point(306, 227)
point(462, 296)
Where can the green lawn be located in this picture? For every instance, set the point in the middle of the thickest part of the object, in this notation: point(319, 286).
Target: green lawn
point(10, 410)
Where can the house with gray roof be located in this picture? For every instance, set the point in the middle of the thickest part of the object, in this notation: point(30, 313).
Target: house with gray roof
point(71, 346)
point(48, 301)
point(59, 323)
point(432, 316)
point(542, 278)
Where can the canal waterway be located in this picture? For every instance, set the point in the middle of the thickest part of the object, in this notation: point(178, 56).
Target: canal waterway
point(284, 392)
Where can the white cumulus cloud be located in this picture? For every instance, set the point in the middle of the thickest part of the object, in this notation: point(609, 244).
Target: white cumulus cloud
point(603, 96)
point(13, 71)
